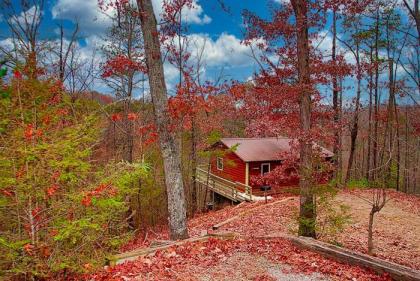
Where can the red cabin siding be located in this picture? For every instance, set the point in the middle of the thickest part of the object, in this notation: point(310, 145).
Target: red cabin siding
point(233, 168)
point(255, 170)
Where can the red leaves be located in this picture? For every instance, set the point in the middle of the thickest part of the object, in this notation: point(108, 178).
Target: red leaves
point(54, 186)
point(116, 117)
point(62, 112)
point(132, 116)
point(29, 132)
point(8, 193)
point(17, 74)
point(87, 200)
point(102, 189)
point(29, 249)
point(148, 134)
point(122, 65)
point(190, 260)
point(52, 189)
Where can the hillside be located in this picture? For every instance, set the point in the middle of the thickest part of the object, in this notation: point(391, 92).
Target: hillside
point(253, 257)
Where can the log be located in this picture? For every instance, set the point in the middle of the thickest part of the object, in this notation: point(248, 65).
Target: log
point(135, 254)
point(396, 271)
point(241, 214)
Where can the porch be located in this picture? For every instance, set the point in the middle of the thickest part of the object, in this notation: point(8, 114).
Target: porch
point(235, 191)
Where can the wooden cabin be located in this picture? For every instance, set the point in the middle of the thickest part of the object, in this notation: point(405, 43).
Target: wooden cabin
point(247, 157)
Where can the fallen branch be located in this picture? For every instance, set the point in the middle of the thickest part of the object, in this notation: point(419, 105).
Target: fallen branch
point(241, 214)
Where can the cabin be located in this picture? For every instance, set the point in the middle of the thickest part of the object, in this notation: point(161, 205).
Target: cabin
point(237, 160)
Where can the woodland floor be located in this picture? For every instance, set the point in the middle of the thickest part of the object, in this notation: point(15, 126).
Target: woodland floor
point(252, 258)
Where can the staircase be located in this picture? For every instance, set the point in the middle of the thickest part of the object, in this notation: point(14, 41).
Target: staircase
point(235, 191)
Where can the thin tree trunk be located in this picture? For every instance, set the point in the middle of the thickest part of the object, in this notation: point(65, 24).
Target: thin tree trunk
point(335, 101)
point(169, 149)
point(369, 148)
point(307, 215)
point(370, 233)
point(390, 121)
point(406, 171)
point(355, 125)
point(376, 109)
point(193, 164)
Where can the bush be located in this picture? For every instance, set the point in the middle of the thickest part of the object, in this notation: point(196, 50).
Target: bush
point(59, 212)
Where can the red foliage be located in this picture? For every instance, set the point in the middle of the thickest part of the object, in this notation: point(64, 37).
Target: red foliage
point(29, 249)
point(17, 74)
point(116, 117)
point(132, 116)
point(52, 189)
point(102, 189)
point(121, 65)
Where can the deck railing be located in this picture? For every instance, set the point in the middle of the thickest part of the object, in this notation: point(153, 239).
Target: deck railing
point(224, 187)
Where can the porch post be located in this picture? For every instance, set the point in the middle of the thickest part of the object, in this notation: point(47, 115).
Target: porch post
point(246, 173)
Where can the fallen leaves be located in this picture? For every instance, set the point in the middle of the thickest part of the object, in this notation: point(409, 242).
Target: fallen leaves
point(191, 261)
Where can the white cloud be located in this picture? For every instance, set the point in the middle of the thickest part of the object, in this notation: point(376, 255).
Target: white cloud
point(7, 44)
point(85, 12)
point(284, 2)
point(225, 50)
point(194, 14)
point(26, 18)
point(94, 21)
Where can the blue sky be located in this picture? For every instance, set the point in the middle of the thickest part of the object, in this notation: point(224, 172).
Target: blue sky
point(220, 31)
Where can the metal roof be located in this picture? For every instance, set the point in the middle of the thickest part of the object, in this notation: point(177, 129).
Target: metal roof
point(262, 149)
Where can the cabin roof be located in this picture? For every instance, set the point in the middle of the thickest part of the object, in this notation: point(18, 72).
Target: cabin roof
point(262, 149)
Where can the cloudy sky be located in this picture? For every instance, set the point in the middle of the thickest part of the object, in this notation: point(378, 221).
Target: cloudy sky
point(220, 31)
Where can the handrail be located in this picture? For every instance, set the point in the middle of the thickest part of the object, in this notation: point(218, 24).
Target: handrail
point(225, 187)
point(213, 175)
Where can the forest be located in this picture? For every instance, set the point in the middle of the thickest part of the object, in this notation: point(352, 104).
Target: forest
point(127, 129)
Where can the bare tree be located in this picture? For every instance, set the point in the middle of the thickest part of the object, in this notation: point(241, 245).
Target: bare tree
point(65, 50)
point(124, 39)
point(377, 202)
point(24, 19)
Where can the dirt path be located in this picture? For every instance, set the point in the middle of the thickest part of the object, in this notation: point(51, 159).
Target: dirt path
point(243, 266)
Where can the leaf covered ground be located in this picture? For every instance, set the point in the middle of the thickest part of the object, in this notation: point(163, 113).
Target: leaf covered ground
point(253, 258)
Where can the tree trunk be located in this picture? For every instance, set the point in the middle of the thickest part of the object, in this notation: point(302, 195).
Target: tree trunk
point(194, 165)
point(335, 103)
point(355, 125)
point(307, 215)
point(376, 109)
point(370, 232)
point(169, 149)
point(369, 135)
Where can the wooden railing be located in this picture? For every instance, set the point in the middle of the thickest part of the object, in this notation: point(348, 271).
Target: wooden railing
point(224, 187)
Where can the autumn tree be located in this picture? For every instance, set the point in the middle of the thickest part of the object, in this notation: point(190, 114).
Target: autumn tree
point(124, 69)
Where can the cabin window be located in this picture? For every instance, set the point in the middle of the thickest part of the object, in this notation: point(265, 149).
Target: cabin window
point(265, 168)
point(219, 163)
